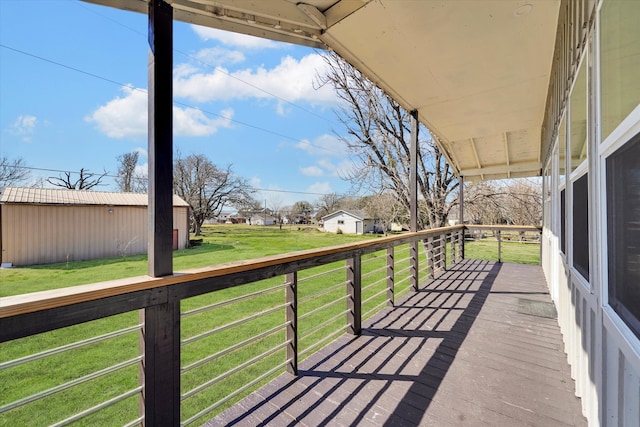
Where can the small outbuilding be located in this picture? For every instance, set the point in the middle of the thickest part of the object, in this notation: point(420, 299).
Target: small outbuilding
point(262, 220)
point(349, 222)
point(44, 225)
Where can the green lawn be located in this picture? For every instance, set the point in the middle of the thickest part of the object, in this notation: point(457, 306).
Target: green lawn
point(220, 244)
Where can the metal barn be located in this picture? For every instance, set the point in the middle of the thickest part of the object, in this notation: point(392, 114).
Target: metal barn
point(44, 225)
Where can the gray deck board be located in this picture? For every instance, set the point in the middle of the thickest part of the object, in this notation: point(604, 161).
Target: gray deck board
point(460, 352)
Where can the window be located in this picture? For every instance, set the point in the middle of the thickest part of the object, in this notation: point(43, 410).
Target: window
point(341, 222)
point(620, 61)
point(623, 232)
point(581, 225)
point(578, 118)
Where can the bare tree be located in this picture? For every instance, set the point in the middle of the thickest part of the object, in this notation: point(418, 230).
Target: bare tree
point(301, 211)
point(378, 131)
point(517, 201)
point(385, 208)
point(128, 180)
point(13, 171)
point(248, 206)
point(86, 180)
point(275, 205)
point(327, 204)
point(207, 188)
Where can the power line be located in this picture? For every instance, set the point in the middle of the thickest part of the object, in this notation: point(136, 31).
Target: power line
point(291, 138)
point(215, 68)
point(145, 179)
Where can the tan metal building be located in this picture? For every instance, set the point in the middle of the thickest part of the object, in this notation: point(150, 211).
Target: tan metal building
point(43, 225)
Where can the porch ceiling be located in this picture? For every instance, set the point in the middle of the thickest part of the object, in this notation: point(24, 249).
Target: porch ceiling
point(477, 71)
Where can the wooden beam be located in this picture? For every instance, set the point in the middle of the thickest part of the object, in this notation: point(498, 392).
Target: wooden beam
point(196, 281)
point(475, 154)
point(160, 139)
point(505, 138)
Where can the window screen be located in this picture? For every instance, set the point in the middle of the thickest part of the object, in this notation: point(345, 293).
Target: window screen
point(581, 225)
point(623, 232)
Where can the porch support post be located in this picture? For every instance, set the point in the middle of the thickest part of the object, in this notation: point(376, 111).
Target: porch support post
point(461, 217)
point(413, 197)
point(413, 173)
point(160, 338)
point(160, 139)
point(161, 363)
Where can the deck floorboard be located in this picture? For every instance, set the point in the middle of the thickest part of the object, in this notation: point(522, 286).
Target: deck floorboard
point(459, 352)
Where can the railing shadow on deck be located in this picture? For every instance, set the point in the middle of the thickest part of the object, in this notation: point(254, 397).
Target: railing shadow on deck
point(454, 298)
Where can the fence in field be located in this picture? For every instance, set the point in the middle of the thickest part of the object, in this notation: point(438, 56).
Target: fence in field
point(181, 348)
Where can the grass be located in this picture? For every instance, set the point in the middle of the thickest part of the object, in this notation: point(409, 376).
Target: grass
point(220, 244)
point(514, 252)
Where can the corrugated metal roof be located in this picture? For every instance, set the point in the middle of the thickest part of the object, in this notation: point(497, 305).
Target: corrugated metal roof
point(55, 196)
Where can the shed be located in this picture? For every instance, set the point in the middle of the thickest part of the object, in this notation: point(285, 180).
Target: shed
point(349, 222)
point(44, 225)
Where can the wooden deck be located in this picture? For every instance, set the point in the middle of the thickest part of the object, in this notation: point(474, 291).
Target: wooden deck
point(477, 346)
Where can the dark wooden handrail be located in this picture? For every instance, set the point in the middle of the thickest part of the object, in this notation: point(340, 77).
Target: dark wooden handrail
point(44, 300)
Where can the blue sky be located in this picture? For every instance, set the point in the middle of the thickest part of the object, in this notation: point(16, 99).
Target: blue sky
point(73, 80)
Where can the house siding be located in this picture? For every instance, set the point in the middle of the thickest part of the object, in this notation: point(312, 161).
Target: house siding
point(604, 353)
point(350, 223)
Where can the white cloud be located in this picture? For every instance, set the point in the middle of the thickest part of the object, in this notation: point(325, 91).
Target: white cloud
point(126, 117)
point(123, 117)
point(24, 126)
point(235, 39)
point(320, 187)
point(193, 122)
point(312, 171)
point(219, 56)
point(292, 80)
point(142, 151)
point(141, 170)
point(324, 145)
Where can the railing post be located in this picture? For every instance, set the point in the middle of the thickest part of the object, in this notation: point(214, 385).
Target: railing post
point(499, 246)
point(354, 295)
point(390, 277)
point(413, 255)
point(161, 364)
point(291, 299)
point(461, 246)
point(540, 241)
point(442, 252)
point(430, 256)
point(453, 247)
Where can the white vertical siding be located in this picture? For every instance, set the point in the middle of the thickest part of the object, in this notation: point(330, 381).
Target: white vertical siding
point(603, 352)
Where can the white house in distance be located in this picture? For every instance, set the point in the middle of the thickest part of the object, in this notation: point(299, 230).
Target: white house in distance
point(44, 225)
point(349, 222)
point(262, 219)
